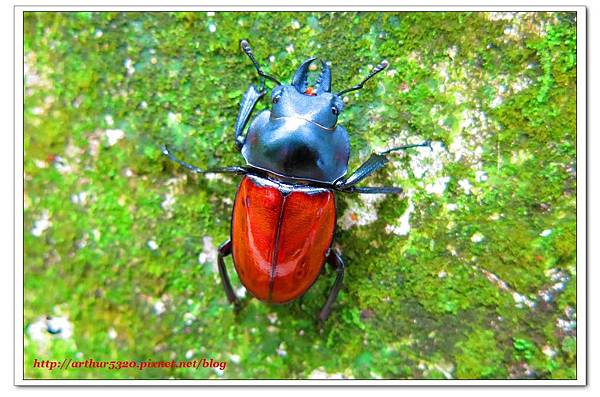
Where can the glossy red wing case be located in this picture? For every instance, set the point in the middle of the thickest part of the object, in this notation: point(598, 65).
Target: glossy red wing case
point(280, 237)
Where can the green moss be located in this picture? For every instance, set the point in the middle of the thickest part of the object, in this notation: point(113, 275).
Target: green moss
point(480, 357)
point(434, 302)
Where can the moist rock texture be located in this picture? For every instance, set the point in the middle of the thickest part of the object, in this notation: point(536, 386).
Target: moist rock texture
point(471, 274)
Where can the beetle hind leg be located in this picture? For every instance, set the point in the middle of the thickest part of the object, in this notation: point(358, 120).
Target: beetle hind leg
point(225, 250)
point(335, 260)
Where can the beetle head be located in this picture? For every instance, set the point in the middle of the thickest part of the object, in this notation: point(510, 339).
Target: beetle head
point(315, 104)
point(299, 137)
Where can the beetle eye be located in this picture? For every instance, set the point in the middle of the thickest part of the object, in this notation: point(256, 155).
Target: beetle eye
point(335, 110)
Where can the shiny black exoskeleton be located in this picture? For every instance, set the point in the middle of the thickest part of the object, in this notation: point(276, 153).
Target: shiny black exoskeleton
point(299, 137)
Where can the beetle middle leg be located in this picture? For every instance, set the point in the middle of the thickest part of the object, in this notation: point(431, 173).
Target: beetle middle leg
point(375, 162)
point(225, 250)
point(335, 260)
point(196, 170)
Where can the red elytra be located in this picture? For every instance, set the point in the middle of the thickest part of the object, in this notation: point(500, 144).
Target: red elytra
point(280, 237)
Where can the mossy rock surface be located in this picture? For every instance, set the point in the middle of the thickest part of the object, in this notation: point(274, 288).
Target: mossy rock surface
point(470, 274)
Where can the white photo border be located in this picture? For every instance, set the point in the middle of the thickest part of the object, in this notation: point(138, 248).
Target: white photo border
point(582, 275)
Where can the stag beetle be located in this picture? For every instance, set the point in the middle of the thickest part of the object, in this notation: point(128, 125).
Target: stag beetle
point(284, 213)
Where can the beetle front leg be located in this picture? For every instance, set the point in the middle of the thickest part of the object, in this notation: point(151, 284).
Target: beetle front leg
point(249, 100)
point(335, 260)
point(225, 250)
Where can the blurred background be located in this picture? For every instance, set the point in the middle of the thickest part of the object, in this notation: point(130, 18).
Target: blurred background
point(469, 275)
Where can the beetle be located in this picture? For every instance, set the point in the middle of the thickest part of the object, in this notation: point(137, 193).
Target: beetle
point(284, 212)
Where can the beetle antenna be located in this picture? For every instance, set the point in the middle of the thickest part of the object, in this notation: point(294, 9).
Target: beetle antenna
point(404, 147)
point(248, 51)
point(384, 64)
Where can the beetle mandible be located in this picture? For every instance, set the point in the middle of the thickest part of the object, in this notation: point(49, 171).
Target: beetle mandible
point(284, 212)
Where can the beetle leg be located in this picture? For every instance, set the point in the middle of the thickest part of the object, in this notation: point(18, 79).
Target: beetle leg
point(249, 100)
point(335, 260)
point(225, 250)
point(196, 170)
point(251, 97)
point(375, 162)
point(374, 190)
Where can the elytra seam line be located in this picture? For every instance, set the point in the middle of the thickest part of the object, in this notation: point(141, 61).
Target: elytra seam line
point(276, 250)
